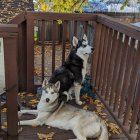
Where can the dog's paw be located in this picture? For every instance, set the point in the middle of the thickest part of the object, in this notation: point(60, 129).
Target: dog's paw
point(79, 102)
point(19, 113)
point(20, 130)
point(70, 97)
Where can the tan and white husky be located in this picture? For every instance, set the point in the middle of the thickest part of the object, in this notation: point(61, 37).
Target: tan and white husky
point(50, 111)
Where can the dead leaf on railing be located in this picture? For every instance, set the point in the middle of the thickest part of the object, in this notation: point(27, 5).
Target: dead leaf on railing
point(48, 136)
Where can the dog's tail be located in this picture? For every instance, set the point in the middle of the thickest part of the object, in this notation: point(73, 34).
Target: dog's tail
point(104, 132)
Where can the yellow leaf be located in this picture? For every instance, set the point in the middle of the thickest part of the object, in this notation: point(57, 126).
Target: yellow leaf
point(59, 21)
point(48, 136)
point(102, 114)
point(22, 94)
point(4, 125)
point(44, 7)
point(34, 125)
point(114, 128)
point(85, 107)
point(41, 136)
point(33, 101)
point(30, 95)
point(80, 11)
point(97, 101)
point(4, 110)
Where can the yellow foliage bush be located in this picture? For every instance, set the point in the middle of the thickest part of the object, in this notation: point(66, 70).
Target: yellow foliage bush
point(64, 6)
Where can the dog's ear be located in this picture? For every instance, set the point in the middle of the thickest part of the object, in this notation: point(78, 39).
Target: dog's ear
point(85, 37)
point(75, 41)
point(57, 85)
point(45, 82)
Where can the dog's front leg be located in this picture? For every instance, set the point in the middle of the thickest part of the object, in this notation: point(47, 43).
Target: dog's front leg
point(32, 112)
point(40, 120)
point(77, 88)
point(33, 122)
point(69, 97)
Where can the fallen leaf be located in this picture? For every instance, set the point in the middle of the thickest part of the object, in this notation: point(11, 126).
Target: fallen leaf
point(85, 107)
point(33, 101)
point(30, 95)
point(97, 102)
point(4, 110)
point(21, 94)
point(34, 125)
point(48, 136)
point(114, 128)
point(4, 125)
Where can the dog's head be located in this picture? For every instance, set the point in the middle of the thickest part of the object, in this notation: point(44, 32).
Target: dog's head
point(50, 92)
point(82, 47)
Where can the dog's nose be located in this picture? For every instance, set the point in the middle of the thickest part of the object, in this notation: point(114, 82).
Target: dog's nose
point(47, 99)
point(92, 49)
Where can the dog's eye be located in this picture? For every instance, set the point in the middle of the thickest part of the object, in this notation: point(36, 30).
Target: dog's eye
point(52, 92)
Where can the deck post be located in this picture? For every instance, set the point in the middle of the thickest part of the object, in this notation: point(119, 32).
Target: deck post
point(11, 82)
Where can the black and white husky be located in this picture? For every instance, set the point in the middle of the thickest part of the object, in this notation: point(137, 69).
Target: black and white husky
point(50, 111)
point(72, 72)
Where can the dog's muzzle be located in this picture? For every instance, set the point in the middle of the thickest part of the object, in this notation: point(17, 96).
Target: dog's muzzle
point(92, 50)
point(47, 100)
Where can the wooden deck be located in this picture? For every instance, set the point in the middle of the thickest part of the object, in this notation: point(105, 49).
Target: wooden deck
point(30, 133)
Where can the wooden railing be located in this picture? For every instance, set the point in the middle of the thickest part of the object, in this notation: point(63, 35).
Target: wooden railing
point(26, 46)
point(115, 65)
point(116, 71)
point(9, 33)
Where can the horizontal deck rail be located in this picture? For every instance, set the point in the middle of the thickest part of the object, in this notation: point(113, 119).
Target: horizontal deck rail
point(127, 29)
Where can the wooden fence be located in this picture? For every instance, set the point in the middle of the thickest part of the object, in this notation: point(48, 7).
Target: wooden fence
point(116, 69)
